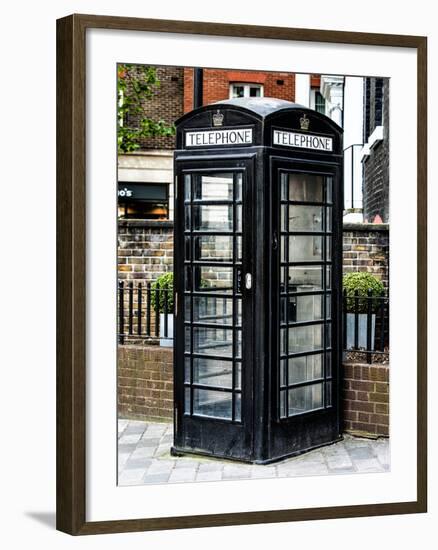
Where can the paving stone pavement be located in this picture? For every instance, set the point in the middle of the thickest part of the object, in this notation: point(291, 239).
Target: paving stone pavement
point(144, 458)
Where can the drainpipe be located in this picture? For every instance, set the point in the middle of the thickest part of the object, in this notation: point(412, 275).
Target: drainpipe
point(197, 87)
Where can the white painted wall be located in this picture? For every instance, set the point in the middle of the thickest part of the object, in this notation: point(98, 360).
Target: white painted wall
point(302, 89)
point(353, 135)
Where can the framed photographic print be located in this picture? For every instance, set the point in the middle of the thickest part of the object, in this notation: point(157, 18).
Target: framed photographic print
point(241, 274)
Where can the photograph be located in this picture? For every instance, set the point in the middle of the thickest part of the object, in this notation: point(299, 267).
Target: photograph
point(253, 253)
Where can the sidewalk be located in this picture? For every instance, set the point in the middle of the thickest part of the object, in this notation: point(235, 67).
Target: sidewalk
point(144, 458)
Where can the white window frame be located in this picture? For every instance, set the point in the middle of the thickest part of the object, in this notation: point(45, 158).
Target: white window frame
point(246, 87)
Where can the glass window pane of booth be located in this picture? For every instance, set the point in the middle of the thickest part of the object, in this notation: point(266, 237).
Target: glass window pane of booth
point(216, 248)
point(212, 217)
point(217, 187)
point(213, 372)
point(213, 306)
point(305, 187)
point(213, 341)
point(305, 398)
point(305, 248)
point(212, 278)
point(305, 290)
point(305, 368)
point(213, 310)
point(304, 218)
point(301, 308)
point(216, 404)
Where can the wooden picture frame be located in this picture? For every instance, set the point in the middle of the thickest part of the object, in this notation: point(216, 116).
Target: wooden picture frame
point(71, 273)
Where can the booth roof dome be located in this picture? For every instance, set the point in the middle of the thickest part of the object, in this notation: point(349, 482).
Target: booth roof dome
point(263, 106)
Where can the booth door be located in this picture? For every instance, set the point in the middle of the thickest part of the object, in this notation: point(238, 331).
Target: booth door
point(213, 348)
point(306, 218)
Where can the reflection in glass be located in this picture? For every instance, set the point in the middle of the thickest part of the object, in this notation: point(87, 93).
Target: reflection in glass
point(307, 367)
point(213, 372)
point(239, 249)
point(217, 311)
point(328, 306)
point(215, 187)
point(237, 407)
point(307, 338)
point(211, 403)
point(329, 187)
point(187, 188)
point(213, 217)
point(213, 278)
point(328, 248)
point(239, 218)
point(187, 400)
point(296, 309)
point(213, 341)
point(217, 248)
point(187, 308)
point(328, 364)
point(329, 218)
point(283, 373)
point(328, 394)
point(301, 279)
point(305, 398)
point(187, 218)
point(305, 218)
point(238, 381)
point(238, 186)
point(305, 248)
point(239, 344)
point(283, 412)
point(305, 187)
point(239, 312)
point(187, 370)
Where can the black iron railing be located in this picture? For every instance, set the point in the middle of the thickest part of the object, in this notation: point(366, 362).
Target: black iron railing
point(139, 308)
point(366, 326)
point(365, 319)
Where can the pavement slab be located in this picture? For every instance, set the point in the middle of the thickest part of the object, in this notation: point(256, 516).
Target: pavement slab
point(144, 459)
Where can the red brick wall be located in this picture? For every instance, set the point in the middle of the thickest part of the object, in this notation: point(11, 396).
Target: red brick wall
point(216, 84)
point(366, 248)
point(165, 104)
point(315, 81)
point(145, 382)
point(145, 389)
point(366, 398)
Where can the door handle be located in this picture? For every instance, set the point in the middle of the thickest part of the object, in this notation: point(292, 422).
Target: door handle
point(248, 281)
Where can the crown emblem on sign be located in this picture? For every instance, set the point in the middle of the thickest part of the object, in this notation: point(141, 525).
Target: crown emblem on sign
point(218, 118)
point(304, 122)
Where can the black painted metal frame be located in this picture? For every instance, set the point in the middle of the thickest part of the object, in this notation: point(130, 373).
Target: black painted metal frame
point(263, 435)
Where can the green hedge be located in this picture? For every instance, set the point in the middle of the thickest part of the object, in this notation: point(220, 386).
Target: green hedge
point(163, 282)
point(362, 282)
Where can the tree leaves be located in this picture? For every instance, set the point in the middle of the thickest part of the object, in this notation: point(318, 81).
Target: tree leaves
point(136, 84)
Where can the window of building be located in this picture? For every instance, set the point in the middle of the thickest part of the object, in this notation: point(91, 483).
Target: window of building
point(319, 103)
point(144, 201)
point(245, 90)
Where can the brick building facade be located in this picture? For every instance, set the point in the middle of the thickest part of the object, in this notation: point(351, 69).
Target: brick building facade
point(217, 82)
point(165, 104)
point(376, 158)
point(146, 247)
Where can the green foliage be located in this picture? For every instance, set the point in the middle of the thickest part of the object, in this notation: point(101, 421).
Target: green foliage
point(131, 93)
point(163, 282)
point(362, 283)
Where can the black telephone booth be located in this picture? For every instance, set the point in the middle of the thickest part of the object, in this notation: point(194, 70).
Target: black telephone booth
point(258, 252)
